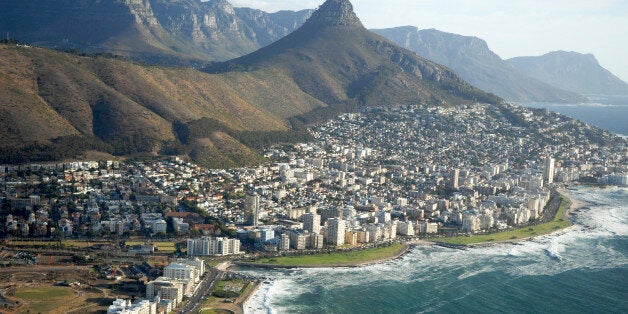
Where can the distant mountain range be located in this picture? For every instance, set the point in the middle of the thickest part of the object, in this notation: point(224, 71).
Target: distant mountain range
point(576, 72)
point(56, 105)
point(154, 31)
point(191, 32)
point(332, 57)
point(471, 58)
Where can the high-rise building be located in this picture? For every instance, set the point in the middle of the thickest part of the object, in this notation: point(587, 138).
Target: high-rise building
point(182, 272)
point(251, 208)
point(548, 172)
point(284, 242)
point(298, 239)
point(336, 231)
point(312, 222)
point(455, 178)
point(213, 246)
point(316, 241)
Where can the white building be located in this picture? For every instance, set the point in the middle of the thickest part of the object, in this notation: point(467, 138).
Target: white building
point(251, 208)
point(159, 226)
point(336, 231)
point(470, 223)
point(182, 272)
point(121, 306)
point(405, 228)
point(213, 246)
point(166, 288)
point(428, 227)
point(312, 222)
point(298, 239)
point(198, 263)
point(548, 170)
point(284, 242)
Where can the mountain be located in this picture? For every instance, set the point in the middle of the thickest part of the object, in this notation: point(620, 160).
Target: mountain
point(472, 59)
point(156, 31)
point(56, 105)
point(333, 58)
point(580, 73)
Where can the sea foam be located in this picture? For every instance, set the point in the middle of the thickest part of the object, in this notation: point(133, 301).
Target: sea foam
point(587, 245)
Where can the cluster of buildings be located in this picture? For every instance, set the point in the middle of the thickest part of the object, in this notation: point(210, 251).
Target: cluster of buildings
point(165, 293)
point(107, 198)
point(416, 171)
point(369, 177)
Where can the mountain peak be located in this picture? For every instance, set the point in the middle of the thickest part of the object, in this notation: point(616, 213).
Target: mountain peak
point(334, 13)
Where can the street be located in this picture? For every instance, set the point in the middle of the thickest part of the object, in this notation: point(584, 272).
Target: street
point(204, 290)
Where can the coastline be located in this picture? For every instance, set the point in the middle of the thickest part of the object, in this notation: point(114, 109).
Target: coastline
point(549, 258)
point(558, 223)
point(567, 193)
point(400, 253)
point(574, 204)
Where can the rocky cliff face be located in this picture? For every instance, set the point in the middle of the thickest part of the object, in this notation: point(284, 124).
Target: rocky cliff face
point(147, 30)
point(472, 59)
point(334, 13)
point(333, 58)
point(573, 71)
point(265, 28)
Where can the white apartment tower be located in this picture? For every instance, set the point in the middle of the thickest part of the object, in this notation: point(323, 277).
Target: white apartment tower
point(336, 231)
point(312, 222)
point(213, 246)
point(251, 208)
point(548, 171)
point(455, 178)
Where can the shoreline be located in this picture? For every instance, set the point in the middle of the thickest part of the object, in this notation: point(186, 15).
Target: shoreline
point(574, 204)
point(404, 250)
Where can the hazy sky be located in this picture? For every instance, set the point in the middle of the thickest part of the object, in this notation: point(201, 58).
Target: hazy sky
point(511, 27)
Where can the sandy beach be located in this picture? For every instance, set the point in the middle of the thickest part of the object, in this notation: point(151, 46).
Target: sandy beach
point(575, 203)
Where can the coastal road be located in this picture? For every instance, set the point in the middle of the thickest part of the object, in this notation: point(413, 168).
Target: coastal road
point(203, 292)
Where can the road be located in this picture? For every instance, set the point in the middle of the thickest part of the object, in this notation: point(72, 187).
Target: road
point(203, 292)
point(41, 269)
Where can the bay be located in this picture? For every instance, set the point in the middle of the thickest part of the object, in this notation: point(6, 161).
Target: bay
point(607, 112)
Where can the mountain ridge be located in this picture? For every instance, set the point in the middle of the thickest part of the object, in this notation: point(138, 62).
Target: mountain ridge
point(359, 66)
point(155, 31)
point(577, 72)
point(56, 104)
point(472, 59)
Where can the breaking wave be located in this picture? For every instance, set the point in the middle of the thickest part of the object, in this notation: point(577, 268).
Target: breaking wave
point(596, 242)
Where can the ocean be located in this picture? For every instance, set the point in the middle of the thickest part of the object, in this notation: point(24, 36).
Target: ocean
point(583, 269)
point(607, 112)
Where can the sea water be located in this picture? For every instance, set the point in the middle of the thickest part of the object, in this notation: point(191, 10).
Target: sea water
point(607, 112)
point(583, 269)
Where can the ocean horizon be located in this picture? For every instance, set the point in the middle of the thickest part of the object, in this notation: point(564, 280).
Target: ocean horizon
point(609, 112)
point(580, 269)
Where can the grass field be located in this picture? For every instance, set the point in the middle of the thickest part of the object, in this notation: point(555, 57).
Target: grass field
point(348, 258)
point(215, 305)
point(46, 299)
point(162, 246)
point(43, 293)
point(230, 288)
point(558, 223)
